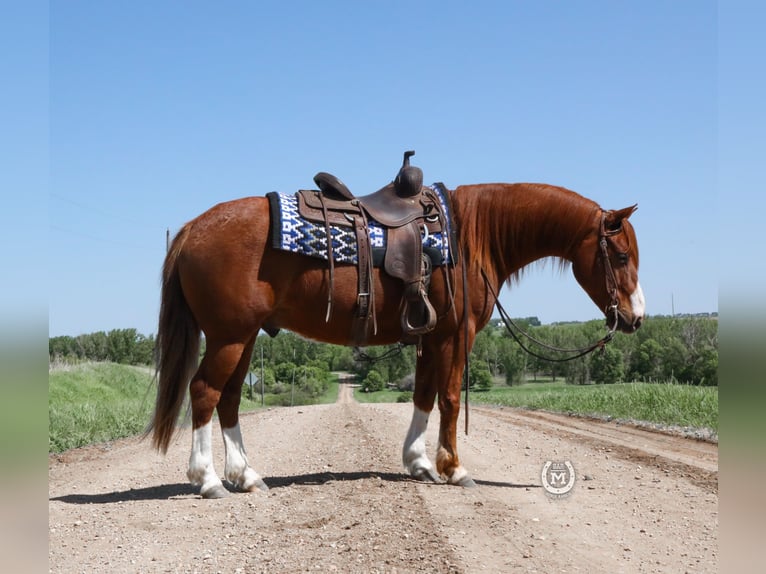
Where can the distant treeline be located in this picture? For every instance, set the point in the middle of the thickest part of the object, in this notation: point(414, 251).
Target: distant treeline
point(126, 346)
point(665, 349)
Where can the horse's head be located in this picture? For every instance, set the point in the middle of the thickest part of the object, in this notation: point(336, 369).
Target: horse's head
point(605, 264)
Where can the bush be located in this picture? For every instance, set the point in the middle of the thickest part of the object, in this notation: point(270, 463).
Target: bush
point(406, 383)
point(373, 382)
point(481, 377)
point(404, 397)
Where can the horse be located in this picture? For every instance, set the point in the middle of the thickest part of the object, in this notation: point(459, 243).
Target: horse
point(222, 277)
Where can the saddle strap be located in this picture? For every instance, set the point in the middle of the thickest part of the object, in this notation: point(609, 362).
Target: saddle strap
point(331, 261)
point(365, 291)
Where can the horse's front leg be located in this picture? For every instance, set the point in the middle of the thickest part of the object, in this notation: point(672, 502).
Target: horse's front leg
point(414, 455)
point(447, 364)
point(439, 369)
point(447, 461)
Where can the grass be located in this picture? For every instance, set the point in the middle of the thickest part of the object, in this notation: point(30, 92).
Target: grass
point(288, 399)
point(666, 404)
point(384, 396)
point(98, 402)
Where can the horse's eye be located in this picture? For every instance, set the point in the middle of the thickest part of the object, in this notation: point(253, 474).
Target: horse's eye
point(622, 257)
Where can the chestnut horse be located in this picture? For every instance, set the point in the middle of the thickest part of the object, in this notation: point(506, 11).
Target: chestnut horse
point(222, 277)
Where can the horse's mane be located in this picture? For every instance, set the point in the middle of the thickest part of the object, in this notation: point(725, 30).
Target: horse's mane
point(502, 225)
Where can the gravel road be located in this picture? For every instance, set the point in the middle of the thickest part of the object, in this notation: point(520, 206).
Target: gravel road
point(339, 501)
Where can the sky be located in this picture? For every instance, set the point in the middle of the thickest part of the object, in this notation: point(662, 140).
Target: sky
point(156, 111)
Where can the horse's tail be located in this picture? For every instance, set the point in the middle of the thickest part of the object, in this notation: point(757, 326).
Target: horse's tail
point(176, 349)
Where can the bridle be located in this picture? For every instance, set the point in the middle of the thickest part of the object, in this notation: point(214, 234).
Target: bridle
point(611, 308)
point(609, 277)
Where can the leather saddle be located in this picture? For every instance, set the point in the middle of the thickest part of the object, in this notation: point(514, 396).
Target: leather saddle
point(405, 209)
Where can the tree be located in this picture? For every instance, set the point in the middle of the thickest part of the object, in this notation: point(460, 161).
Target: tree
point(606, 366)
point(578, 371)
point(705, 368)
point(646, 364)
point(312, 381)
point(674, 356)
point(514, 361)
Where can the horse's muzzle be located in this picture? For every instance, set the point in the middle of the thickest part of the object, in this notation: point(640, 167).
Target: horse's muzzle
point(626, 322)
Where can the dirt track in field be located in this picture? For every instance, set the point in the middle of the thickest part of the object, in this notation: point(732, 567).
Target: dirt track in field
point(340, 502)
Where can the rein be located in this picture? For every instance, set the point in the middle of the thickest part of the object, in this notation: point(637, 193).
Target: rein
point(611, 287)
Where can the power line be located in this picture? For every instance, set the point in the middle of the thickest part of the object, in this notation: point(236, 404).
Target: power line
point(94, 238)
point(103, 212)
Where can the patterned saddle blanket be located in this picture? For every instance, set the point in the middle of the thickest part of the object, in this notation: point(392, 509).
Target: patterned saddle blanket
point(291, 232)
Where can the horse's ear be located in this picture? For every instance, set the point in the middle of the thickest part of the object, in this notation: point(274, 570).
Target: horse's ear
point(615, 217)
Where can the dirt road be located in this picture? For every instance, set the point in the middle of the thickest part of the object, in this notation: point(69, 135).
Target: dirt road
point(339, 501)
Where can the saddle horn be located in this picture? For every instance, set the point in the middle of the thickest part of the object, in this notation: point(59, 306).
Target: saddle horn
point(409, 180)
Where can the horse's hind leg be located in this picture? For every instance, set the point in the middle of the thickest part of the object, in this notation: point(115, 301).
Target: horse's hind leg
point(237, 470)
point(218, 366)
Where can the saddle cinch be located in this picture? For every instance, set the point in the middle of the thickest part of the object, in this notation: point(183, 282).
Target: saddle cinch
point(407, 211)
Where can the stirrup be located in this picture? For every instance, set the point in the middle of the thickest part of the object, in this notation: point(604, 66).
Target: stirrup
point(422, 304)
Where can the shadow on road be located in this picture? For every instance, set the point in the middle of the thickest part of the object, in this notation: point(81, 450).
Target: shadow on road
point(162, 492)
point(185, 490)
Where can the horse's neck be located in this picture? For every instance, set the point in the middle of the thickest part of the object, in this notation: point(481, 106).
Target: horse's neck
point(529, 222)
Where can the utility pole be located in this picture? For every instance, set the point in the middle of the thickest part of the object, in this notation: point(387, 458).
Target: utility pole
point(263, 381)
point(292, 385)
point(672, 305)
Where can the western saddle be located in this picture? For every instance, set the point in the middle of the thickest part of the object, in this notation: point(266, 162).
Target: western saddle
point(406, 210)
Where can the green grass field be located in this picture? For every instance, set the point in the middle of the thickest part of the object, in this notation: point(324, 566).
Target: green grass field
point(384, 396)
point(668, 404)
point(98, 402)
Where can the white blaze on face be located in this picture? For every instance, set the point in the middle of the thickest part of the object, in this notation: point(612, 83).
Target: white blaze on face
point(637, 301)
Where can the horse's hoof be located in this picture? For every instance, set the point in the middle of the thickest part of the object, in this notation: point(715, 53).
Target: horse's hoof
point(258, 485)
point(427, 475)
point(466, 482)
point(217, 491)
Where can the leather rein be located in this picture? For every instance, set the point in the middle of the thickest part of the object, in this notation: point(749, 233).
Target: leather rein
point(611, 287)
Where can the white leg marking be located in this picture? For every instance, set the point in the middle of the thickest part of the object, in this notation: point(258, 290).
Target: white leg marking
point(637, 301)
point(201, 472)
point(238, 471)
point(414, 455)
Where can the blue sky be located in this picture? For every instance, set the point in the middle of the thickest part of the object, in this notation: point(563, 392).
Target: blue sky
point(159, 110)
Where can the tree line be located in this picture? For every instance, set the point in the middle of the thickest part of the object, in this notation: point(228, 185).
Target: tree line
point(126, 346)
point(294, 369)
point(664, 349)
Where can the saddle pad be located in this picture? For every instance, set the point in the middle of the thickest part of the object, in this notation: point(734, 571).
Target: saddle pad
point(290, 232)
